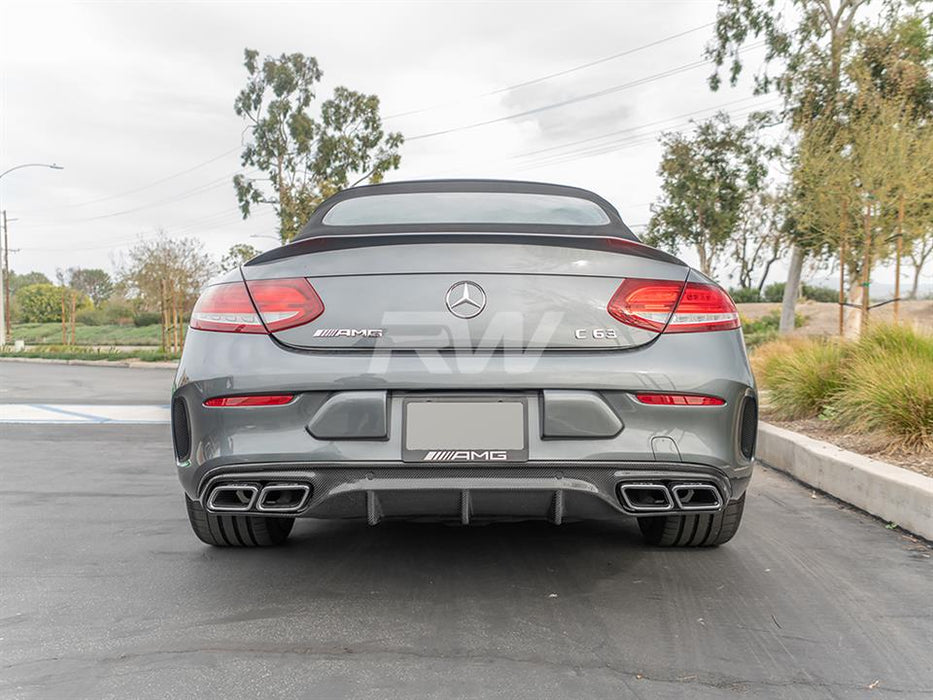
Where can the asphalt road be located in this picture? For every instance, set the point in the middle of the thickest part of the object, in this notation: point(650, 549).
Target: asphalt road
point(104, 592)
point(58, 383)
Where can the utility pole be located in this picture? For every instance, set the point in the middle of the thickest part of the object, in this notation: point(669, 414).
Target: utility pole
point(5, 277)
point(3, 283)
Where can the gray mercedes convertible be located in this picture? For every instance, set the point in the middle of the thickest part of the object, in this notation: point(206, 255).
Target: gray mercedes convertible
point(464, 350)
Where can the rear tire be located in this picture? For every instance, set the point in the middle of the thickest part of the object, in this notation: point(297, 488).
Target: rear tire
point(694, 530)
point(237, 530)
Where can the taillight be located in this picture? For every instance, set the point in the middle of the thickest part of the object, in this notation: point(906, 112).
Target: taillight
point(285, 303)
point(679, 400)
point(250, 400)
point(693, 307)
point(280, 304)
point(226, 308)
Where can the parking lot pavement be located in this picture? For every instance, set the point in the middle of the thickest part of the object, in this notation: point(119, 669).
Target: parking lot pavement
point(106, 593)
point(27, 382)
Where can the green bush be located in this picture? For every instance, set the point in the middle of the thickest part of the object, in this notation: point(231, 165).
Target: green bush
point(773, 292)
point(117, 313)
point(42, 303)
point(147, 318)
point(91, 317)
point(765, 328)
point(744, 295)
point(827, 294)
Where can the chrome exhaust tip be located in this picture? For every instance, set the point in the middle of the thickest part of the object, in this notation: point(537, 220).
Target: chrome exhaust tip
point(283, 498)
point(696, 497)
point(646, 498)
point(232, 498)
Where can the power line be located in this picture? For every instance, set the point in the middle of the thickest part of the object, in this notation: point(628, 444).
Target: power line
point(150, 185)
point(637, 127)
point(620, 144)
point(574, 100)
point(562, 103)
point(541, 79)
point(185, 194)
point(634, 128)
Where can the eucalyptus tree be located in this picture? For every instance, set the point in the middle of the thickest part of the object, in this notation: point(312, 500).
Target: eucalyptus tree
point(305, 157)
point(707, 179)
point(806, 44)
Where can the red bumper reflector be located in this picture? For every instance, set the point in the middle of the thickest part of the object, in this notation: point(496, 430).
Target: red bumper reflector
point(238, 401)
point(679, 400)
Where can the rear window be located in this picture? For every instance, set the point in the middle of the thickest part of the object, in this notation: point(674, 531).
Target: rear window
point(465, 208)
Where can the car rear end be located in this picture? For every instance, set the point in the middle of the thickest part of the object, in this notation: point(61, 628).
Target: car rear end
point(465, 375)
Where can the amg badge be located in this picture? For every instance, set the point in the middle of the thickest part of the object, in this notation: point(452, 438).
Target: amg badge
point(466, 456)
point(348, 333)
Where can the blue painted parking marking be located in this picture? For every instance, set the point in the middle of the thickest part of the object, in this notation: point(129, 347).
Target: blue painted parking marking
point(84, 414)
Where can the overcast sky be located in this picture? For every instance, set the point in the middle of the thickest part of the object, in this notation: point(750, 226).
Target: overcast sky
point(136, 101)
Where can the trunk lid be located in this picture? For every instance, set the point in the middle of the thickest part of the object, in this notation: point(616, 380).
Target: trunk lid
point(456, 292)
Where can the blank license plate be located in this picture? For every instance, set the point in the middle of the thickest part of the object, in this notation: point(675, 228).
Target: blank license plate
point(449, 430)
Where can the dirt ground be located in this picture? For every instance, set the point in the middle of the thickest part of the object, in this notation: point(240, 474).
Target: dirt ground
point(823, 318)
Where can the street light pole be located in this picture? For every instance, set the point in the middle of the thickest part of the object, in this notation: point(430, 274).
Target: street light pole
point(3, 281)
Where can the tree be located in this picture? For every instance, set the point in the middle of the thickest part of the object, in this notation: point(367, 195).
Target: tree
point(237, 255)
point(306, 158)
point(167, 275)
point(92, 281)
point(810, 44)
point(42, 303)
point(707, 179)
point(920, 250)
point(760, 238)
point(17, 282)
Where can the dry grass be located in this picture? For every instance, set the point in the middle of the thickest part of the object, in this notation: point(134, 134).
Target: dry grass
point(881, 385)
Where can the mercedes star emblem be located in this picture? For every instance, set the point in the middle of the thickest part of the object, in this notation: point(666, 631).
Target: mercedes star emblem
point(466, 299)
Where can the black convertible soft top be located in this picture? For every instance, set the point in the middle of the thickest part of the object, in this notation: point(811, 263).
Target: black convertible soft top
point(614, 228)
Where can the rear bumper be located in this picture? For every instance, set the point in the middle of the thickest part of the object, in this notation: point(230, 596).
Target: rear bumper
point(357, 477)
point(551, 491)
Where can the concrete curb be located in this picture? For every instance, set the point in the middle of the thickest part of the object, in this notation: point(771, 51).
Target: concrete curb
point(894, 494)
point(133, 364)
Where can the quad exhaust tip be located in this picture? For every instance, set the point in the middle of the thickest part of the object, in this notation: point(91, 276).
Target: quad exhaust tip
point(268, 498)
point(283, 498)
point(696, 497)
point(233, 498)
point(658, 498)
point(646, 498)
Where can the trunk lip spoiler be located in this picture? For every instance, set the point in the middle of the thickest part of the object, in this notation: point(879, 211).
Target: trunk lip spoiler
point(345, 241)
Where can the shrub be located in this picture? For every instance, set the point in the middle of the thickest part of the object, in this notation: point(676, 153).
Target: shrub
point(773, 292)
point(891, 393)
point(881, 383)
point(118, 313)
point(745, 295)
point(803, 376)
point(42, 303)
point(765, 328)
point(820, 293)
point(91, 317)
point(147, 318)
point(889, 339)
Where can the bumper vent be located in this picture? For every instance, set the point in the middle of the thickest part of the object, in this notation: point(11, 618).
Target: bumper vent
point(181, 430)
point(749, 434)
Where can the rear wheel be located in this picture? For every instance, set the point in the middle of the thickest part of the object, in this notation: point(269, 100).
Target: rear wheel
point(695, 530)
point(237, 530)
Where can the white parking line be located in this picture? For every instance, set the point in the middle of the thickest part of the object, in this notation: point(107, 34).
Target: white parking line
point(76, 414)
